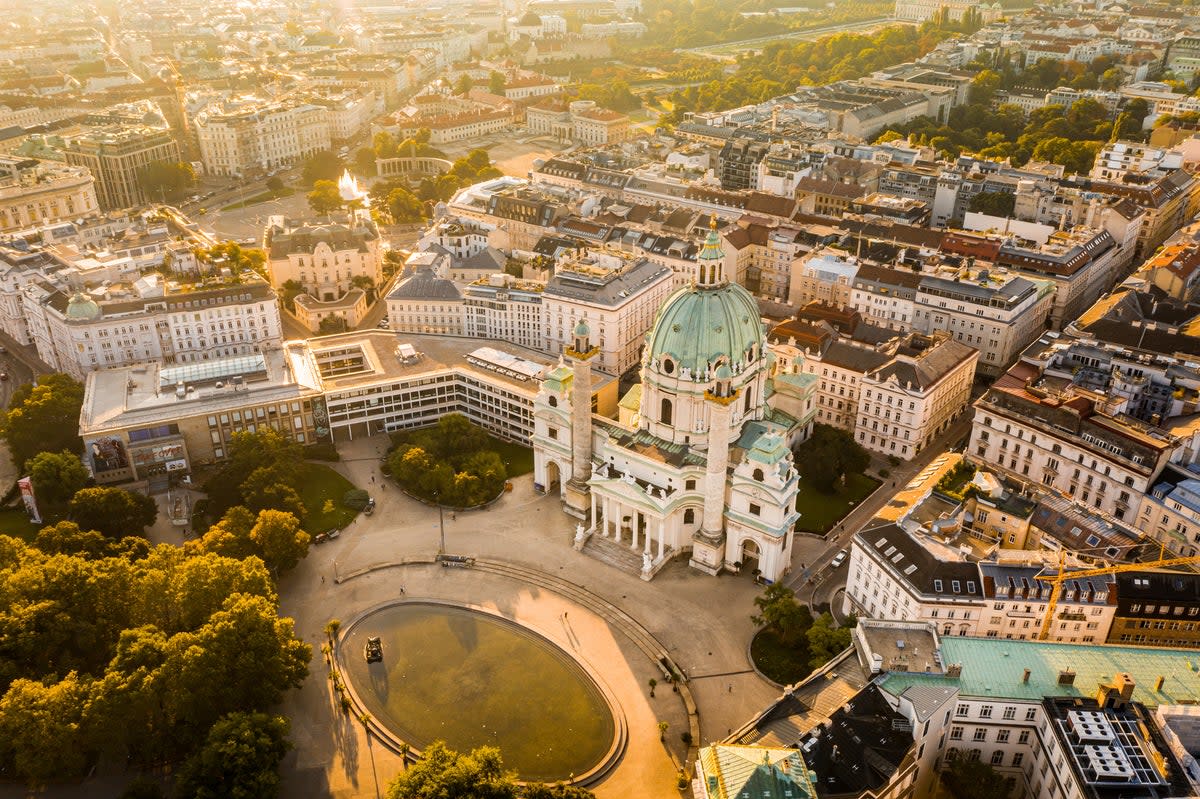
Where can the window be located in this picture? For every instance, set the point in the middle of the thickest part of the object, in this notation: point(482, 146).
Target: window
point(1002, 736)
point(956, 733)
point(755, 510)
point(689, 485)
point(1017, 758)
point(664, 415)
point(985, 712)
point(553, 432)
point(980, 734)
point(689, 516)
point(1023, 738)
point(1031, 714)
point(961, 710)
point(1010, 713)
point(998, 757)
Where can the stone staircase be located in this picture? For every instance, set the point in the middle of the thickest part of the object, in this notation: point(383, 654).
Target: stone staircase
point(620, 556)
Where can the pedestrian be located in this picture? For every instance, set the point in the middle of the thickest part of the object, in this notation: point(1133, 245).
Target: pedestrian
point(322, 579)
point(372, 479)
point(730, 687)
point(401, 590)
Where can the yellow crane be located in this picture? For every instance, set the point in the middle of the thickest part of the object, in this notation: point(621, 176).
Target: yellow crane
point(1057, 580)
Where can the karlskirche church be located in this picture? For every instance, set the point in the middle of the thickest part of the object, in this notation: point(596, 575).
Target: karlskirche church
point(699, 462)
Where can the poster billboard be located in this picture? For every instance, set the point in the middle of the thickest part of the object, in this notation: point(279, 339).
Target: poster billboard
point(30, 501)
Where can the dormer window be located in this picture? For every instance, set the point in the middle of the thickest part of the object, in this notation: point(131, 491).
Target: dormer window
point(668, 366)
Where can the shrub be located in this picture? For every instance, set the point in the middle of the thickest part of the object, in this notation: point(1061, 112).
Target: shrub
point(356, 499)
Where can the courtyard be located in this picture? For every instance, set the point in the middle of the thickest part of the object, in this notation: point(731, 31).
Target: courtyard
point(527, 572)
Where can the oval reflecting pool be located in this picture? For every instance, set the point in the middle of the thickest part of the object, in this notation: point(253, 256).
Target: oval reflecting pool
point(472, 679)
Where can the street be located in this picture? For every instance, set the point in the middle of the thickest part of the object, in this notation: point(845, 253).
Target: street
point(817, 584)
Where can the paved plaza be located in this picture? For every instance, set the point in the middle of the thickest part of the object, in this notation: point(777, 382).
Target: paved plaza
point(701, 621)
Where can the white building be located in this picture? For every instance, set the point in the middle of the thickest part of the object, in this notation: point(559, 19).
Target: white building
point(616, 293)
point(74, 333)
point(255, 137)
point(324, 258)
point(35, 193)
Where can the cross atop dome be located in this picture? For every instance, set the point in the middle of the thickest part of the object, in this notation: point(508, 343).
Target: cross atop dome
point(711, 260)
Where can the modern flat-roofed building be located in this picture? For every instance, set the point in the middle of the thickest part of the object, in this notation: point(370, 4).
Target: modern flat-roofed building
point(148, 420)
point(116, 157)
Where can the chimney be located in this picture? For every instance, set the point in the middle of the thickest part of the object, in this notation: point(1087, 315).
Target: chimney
point(1025, 676)
point(1125, 684)
point(1066, 677)
point(954, 671)
point(1158, 684)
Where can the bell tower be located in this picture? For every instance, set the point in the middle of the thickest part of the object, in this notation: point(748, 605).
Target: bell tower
point(580, 354)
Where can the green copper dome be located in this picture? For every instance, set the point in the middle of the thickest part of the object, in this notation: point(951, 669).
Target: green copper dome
point(80, 307)
point(696, 327)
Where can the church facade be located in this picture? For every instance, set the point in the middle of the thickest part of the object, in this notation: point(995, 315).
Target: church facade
point(699, 461)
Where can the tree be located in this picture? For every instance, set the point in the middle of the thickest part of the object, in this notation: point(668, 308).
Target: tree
point(780, 612)
point(994, 203)
point(279, 540)
point(268, 488)
point(330, 325)
point(56, 477)
point(143, 788)
point(230, 537)
point(40, 728)
point(43, 418)
point(114, 512)
point(289, 291)
point(249, 452)
point(825, 640)
point(274, 184)
point(496, 83)
point(364, 161)
point(239, 760)
point(973, 779)
point(463, 84)
point(829, 455)
point(166, 181)
point(404, 207)
point(443, 773)
point(324, 165)
point(325, 198)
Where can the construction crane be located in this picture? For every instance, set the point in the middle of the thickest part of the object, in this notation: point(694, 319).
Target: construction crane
point(1057, 580)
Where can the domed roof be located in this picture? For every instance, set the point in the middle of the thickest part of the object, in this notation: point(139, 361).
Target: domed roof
point(80, 307)
point(698, 326)
point(530, 20)
point(582, 329)
point(724, 372)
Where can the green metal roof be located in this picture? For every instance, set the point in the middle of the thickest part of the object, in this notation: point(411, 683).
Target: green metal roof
point(632, 401)
point(697, 326)
point(755, 772)
point(995, 667)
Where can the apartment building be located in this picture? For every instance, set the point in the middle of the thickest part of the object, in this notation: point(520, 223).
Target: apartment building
point(116, 157)
point(504, 308)
point(885, 296)
point(426, 303)
point(580, 120)
point(324, 258)
point(824, 276)
point(1157, 608)
point(1039, 427)
point(249, 138)
point(1119, 159)
point(35, 193)
point(906, 403)
point(994, 311)
point(618, 295)
point(149, 322)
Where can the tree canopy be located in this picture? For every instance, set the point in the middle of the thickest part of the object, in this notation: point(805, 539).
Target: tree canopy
point(779, 611)
point(56, 476)
point(43, 418)
point(479, 774)
point(324, 165)
point(273, 536)
point(259, 473)
point(239, 760)
point(828, 456)
point(325, 197)
point(449, 463)
point(132, 656)
point(973, 779)
point(166, 181)
point(114, 512)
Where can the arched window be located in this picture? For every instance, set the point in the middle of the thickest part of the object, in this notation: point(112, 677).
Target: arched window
point(749, 393)
point(689, 516)
point(554, 402)
point(668, 366)
point(664, 415)
point(758, 475)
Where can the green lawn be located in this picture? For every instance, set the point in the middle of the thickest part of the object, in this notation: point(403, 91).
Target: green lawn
point(15, 522)
point(819, 512)
point(262, 197)
point(783, 663)
point(518, 459)
point(318, 483)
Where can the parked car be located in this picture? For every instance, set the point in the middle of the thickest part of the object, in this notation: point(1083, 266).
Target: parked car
point(838, 559)
point(370, 506)
point(373, 651)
